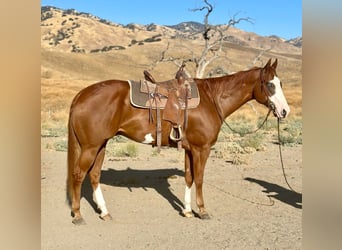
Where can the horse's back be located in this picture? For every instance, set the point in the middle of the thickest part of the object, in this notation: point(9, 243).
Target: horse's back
point(101, 91)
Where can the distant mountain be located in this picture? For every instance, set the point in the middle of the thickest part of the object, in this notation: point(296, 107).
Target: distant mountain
point(193, 27)
point(188, 27)
point(296, 42)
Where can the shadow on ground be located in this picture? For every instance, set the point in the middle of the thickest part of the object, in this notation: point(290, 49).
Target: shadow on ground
point(282, 194)
point(157, 179)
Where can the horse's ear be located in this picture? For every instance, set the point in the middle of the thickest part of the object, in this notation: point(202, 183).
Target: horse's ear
point(268, 64)
point(274, 65)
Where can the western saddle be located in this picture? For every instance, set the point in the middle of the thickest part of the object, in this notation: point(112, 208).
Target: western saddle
point(176, 92)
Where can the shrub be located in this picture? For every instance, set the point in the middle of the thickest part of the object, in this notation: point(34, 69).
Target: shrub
point(252, 141)
point(77, 49)
point(233, 152)
point(61, 146)
point(58, 130)
point(121, 149)
point(240, 127)
point(46, 74)
point(291, 134)
point(95, 50)
point(153, 39)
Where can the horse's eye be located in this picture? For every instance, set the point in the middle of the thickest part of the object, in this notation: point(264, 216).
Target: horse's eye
point(270, 85)
point(271, 88)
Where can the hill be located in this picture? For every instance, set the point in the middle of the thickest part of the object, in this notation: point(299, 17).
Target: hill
point(72, 31)
point(65, 31)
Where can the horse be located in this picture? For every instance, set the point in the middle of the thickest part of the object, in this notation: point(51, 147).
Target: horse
point(103, 110)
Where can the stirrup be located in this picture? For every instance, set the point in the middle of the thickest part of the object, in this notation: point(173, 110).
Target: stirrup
point(176, 133)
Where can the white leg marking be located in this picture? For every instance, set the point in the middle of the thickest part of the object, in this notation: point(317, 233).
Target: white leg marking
point(99, 200)
point(148, 139)
point(187, 199)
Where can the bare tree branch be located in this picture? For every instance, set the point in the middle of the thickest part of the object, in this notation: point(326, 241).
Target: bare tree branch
point(233, 21)
point(257, 57)
point(207, 27)
point(213, 48)
point(214, 38)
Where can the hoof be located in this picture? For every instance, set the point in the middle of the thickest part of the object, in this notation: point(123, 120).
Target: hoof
point(78, 221)
point(188, 214)
point(204, 215)
point(107, 217)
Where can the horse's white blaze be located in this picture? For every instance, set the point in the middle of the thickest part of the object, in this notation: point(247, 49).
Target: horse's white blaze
point(279, 99)
point(148, 139)
point(187, 199)
point(99, 200)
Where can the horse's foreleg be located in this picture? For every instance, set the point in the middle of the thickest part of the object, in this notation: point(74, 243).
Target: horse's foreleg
point(84, 163)
point(188, 181)
point(95, 174)
point(200, 158)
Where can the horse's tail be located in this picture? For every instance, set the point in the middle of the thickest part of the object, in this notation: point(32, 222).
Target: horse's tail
point(74, 150)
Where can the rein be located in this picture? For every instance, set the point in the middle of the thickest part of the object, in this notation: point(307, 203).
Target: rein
point(281, 158)
point(279, 144)
point(249, 132)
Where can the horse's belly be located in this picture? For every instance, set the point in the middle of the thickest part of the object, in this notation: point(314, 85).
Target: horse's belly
point(143, 131)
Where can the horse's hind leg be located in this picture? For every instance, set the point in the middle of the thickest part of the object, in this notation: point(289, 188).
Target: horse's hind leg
point(95, 174)
point(85, 161)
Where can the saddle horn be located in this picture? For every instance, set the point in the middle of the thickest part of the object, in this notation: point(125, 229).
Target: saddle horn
point(149, 77)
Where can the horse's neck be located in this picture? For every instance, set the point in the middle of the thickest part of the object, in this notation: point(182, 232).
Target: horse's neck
point(232, 94)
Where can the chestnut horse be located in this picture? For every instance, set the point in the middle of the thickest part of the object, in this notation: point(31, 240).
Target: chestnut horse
point(103, 110)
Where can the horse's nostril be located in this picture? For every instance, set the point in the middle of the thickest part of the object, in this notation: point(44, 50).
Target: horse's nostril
point(283, 113)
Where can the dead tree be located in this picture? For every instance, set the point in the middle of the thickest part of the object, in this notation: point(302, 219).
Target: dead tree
point(213, 41)
point(214, 37)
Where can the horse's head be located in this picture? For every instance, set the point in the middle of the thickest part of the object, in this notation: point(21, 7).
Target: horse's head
point(269, 91)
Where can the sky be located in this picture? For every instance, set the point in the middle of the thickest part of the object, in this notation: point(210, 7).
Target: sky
point(270, 17)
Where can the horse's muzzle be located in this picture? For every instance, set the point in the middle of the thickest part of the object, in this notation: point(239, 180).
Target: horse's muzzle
point(280, 114)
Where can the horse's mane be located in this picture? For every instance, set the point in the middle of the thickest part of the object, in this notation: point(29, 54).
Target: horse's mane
point(218, 85)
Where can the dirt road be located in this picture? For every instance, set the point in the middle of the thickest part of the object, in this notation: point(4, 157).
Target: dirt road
point(250, 205)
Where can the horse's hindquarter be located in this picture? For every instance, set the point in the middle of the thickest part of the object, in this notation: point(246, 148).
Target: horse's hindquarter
point(96, 110)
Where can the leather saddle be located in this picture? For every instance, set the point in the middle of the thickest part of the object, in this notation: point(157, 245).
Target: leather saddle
point(173, 96)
